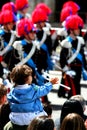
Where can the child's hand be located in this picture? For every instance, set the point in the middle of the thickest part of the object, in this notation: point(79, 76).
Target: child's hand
point(54, 80)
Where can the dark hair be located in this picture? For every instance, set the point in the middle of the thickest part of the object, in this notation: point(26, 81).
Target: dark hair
point(20, 74)
point(41, 123)
point(71, 106)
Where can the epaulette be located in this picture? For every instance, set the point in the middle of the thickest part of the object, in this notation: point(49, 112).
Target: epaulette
point(65, 43)
point(81, 40)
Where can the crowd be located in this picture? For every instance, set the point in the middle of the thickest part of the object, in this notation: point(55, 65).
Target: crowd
point(28, 47)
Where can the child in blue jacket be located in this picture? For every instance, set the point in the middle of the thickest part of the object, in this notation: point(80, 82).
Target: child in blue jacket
point(24, 98)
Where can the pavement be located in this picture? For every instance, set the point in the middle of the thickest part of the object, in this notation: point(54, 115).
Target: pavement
point(57, 102)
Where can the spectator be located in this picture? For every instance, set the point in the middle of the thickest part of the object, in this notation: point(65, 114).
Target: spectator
point(41, 123)
point(3, 94)
point(69, 106)
point(4, 115)
point(73, 121)
point(24, 98)
point(81, 99)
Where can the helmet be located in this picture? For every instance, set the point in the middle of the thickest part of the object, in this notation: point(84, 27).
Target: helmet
point(74, 6)
point(74, 22)
point(9, 6)
point(45, 8)
point(21, 4)
point(7, 16)
point(65, 12)
point(38, 15)
point(25, 26)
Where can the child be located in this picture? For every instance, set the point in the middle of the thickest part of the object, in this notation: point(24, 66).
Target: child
point(24, 98)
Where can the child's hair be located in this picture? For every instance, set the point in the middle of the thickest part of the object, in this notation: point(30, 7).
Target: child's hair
point(3, 90)
point(20, 73)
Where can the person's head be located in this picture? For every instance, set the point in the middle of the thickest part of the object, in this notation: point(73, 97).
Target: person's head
point(81, 99)
point(45, 8)
point(39, 17)
point(65, 12)
point(3, 94)
point(25, 28)
point(75, 7)
point(73, 121)
point(41, 123)
point(9, 6)
point(22, 6)
point(21, 74)
point(74, 24)
point(7, 19)
point(71, 106)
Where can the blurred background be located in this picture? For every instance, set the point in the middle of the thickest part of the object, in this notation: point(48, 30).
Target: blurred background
point(56, 6)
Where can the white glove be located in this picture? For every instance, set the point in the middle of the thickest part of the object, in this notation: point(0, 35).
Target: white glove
point(37, 44)
point(71, 73)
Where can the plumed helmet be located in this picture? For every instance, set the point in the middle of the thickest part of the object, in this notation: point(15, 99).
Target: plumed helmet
point(38, 15)
point(9, 6)
point(45, 8)
point(65, 12)
point(74, 6)
point(25, 26)
point(21, 4)
point(7, 16)
point(74, 22)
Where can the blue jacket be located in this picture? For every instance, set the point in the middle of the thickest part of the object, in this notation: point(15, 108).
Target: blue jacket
point(26, 98)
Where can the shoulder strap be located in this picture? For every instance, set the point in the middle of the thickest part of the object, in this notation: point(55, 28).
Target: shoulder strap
point(30, 54)
point(43, 38)
point(76, 52)
point(13, 36)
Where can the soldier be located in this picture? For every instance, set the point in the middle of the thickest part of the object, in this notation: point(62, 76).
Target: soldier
point(22, 9)
point(7, 36)
point(72, 57)
point(28, 48)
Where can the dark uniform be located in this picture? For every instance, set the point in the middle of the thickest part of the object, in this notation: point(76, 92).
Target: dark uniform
point(76, 66)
